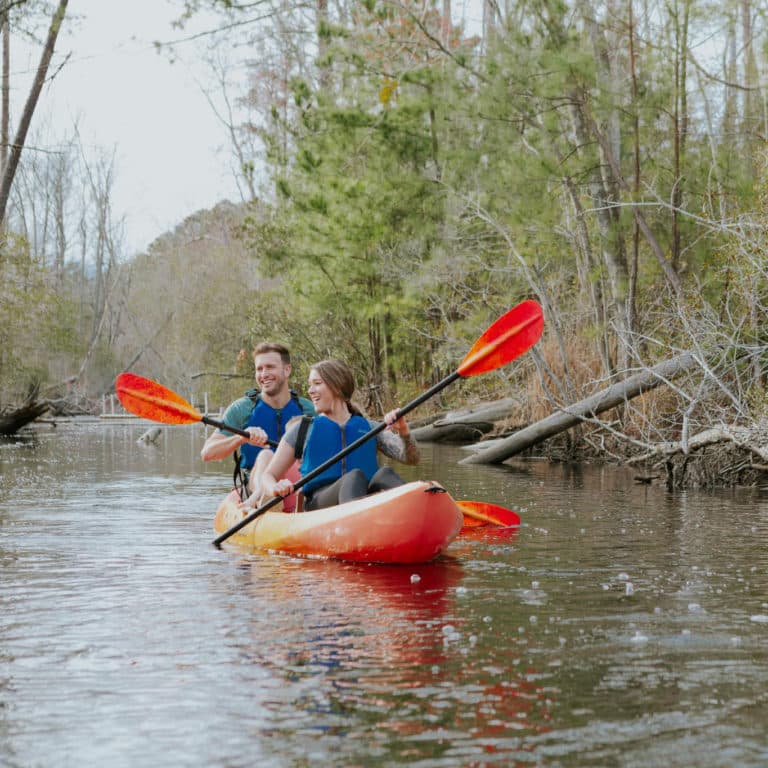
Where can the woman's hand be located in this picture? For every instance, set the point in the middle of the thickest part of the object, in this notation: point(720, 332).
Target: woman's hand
point(283, 487)
point(399, 425)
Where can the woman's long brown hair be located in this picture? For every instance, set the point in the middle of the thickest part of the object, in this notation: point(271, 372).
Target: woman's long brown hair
point(340, 380)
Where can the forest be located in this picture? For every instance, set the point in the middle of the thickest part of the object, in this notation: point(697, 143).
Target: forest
point(404, 182)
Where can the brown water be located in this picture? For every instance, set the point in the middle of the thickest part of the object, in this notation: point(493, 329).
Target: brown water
point(620, 626)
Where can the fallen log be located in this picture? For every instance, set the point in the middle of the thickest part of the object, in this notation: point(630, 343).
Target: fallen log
point(754, 440)
point(13, 420)
point(608, 398)
point(467, 423)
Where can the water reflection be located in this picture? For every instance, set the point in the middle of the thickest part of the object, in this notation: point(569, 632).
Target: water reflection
point(391, 648)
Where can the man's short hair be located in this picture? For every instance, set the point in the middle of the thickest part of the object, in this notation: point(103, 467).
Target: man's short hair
point(272, 346)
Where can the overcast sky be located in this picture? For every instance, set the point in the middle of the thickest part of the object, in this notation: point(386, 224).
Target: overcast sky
point(171, 151)
point(172, 155)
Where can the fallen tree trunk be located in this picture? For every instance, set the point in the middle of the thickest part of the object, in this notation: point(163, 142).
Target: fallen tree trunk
point(754, 441)
point(12, 421)
point(467, 423)
point(608, 398)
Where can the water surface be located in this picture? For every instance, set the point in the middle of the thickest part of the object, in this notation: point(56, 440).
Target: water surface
point(619, 626)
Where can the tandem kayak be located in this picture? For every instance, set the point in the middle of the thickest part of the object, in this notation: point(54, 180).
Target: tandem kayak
point(410, 524)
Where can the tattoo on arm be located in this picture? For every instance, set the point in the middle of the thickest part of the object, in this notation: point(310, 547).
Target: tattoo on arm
point(398, 448)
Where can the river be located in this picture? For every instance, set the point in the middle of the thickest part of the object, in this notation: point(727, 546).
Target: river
point(619, 626)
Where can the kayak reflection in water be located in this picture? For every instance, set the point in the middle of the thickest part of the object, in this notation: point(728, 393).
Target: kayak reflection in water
point(338, 424)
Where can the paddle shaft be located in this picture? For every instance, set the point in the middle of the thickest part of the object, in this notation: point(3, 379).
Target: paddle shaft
point(221, 425)
point(340, 455)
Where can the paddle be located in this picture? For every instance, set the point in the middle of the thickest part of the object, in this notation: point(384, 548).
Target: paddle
point(478, 513)
point(512, 334)
point(153, 401)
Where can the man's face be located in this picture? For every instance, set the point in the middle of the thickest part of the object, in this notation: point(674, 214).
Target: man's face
point(271, 373)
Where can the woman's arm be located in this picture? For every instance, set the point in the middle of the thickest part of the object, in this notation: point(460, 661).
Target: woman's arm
point(397, 442)
point(281, 462)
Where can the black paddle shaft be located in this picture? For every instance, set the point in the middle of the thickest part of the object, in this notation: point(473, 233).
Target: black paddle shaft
point(213, 423)
point(340, 455)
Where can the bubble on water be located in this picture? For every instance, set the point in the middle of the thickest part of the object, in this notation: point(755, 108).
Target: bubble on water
point(487, 619)
point(694, 607)
point(415, 578)
point(629, 589)
point(623, 577)
point(450, 634)
point(461, 590)
point(533, 619)
point(534, 585)
point(685, 632)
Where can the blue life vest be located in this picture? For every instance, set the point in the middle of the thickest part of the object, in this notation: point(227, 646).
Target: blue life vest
point(325, 439)
point(271, 420)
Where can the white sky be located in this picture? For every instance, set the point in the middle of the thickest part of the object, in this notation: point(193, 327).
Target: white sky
point(172, 153)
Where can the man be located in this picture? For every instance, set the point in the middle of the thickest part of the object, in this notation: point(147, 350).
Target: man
point(263, 414)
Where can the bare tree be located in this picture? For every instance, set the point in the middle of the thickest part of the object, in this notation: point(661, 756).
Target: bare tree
point(9, 168)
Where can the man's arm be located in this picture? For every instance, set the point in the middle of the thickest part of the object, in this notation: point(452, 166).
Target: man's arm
point(221, 444)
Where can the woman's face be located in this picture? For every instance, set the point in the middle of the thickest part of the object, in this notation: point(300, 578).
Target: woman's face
point(321, 395)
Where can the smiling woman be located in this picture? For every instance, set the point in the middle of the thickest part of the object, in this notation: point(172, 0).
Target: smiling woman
point(339, 424)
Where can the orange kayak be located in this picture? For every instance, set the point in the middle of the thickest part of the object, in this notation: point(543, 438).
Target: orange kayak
point(410, 524)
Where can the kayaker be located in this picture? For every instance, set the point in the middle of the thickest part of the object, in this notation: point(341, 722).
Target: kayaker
point(264, 413)
point(339, 423)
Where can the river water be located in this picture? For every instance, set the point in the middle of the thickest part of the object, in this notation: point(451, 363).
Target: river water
point(619, 626)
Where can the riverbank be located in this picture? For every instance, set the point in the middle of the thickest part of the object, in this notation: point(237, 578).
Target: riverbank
point(725, 456)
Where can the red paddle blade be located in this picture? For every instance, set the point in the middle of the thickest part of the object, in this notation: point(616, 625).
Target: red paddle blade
point(478, 513)
point(511, 335)
point(153, 401)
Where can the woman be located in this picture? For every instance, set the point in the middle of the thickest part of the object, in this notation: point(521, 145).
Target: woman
point(338, 424)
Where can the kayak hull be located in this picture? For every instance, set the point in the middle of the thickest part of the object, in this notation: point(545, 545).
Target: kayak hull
point(410, 524)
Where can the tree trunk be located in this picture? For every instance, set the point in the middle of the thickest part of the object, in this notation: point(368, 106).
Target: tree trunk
point(9, 170)
point(5, 114)
point(611, 397)
point(12, 421)
point(466, 424)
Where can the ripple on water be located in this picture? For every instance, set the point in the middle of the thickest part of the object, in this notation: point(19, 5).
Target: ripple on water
point(127, 639)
